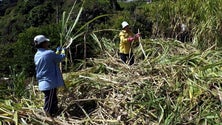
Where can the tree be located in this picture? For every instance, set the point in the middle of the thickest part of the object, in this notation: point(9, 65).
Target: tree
point(114, 5)
point(42, 14)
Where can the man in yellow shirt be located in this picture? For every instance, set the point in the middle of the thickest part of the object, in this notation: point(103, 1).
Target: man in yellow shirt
point(127, 38)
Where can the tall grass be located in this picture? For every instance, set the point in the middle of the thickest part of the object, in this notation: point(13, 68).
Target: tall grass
point(16, 96)
point(68, 32)
point(202, 19)
point(176, 84)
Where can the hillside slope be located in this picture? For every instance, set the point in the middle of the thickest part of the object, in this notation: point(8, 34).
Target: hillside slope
point(174, 84)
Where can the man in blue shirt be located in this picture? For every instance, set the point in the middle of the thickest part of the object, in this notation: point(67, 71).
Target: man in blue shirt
point(48, 73)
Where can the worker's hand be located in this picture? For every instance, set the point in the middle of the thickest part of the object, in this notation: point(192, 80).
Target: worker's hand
point(137, 35)
point(63, 51)
point(130, 39)
point(58, 50)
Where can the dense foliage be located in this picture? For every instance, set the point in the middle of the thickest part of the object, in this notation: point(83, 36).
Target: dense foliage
point(160, 19)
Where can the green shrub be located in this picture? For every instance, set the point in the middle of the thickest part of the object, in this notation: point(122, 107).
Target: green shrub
point(24, 49)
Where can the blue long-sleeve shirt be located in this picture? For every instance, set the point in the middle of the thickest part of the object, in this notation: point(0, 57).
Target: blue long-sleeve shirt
point(48, 73)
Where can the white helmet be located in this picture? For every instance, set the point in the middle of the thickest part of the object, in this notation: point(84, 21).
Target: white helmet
point(124, 24)
point(39, 39)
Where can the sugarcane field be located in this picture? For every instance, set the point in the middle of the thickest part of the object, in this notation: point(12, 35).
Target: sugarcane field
point(110, 62)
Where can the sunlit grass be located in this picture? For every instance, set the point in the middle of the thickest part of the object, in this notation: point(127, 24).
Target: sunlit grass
point(175, 84)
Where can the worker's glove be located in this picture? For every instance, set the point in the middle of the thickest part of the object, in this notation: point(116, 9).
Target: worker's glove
point(130, 39)
point(58, 50)
point(63, 51)
point(137, 35)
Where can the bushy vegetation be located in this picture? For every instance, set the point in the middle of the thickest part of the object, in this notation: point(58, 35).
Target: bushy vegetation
point(175, 84)
point(175, 80)
point(160, 19)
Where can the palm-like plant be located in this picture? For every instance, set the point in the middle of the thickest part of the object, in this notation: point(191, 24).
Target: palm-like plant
point(67, 36)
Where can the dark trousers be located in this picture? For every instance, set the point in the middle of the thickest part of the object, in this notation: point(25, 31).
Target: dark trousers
point(125, 57)
point(51, 101)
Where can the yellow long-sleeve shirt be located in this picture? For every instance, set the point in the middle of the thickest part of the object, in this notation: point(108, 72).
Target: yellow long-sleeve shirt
point(125, 46)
